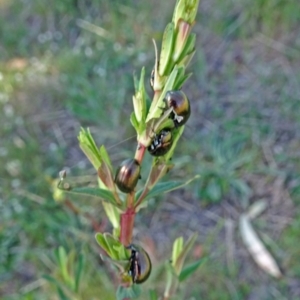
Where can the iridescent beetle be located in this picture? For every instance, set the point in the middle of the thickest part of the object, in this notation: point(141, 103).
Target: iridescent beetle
point(127, 175)
point(161, 143)
point(181, 106)
point(139, 267)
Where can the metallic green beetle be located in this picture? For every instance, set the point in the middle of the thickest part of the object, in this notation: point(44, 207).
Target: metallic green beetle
point(139, 267)
point(127, 175)
point(181, 106)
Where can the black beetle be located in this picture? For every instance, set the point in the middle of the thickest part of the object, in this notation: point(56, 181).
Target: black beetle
point(161, 143)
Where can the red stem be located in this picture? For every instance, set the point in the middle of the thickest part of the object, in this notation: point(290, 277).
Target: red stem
point(127, 218)
point(139, 153)
point(127, 223)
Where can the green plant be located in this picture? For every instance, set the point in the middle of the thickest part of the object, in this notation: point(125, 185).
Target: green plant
point(158, 123)
point(220, 173)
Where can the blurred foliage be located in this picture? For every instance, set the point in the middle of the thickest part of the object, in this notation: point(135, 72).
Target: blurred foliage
point(245, 18)
point(246, 77)
point(225, 159)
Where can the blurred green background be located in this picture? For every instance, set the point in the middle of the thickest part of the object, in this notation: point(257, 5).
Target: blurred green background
point(66, 64)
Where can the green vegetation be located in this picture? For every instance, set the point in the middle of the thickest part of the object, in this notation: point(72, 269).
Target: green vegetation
point(61, 64)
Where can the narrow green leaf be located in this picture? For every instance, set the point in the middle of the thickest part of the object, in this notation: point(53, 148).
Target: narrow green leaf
point(178, 264)
point(105, 156)
point(189, 47)
point(79, 269)
point(177, 248)
point(169, 281)
point(164, 187)
point(189, 270)
point(114, 249)
point(134, 122)
point(101, 194)
point(89, 148)
point(102, 242)
point(63, 261)
point(139, 100)
point(105, 244)
point(181, 80)
point(61, 294)
point(113, 214)
point(176, 134)
point(166, 51)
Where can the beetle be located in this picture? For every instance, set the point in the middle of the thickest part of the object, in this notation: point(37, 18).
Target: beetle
point(181, 106)
point(127, 175)
point(139, 267)
point(161, 143)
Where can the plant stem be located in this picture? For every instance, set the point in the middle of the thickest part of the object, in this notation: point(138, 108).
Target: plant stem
point(127, 218)
point(127, 223)
point(140, 153)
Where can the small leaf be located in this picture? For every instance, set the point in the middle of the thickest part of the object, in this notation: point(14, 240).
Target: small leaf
point(134, 122)
point(189, 48)
point(177, 248)
point(164, 187)
point(189, 270)
point(114, 249)
point(166, 51)
point(105, 176)
point(139, 100)
point(105, 157)
point(63, 261)
point(89, 148)
point(95, 192)
point(131, 292)
point(178, 264)
point(179, 76)
point(113, 214)
point(177, 132)
point(187, 59)
point(79, 269)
